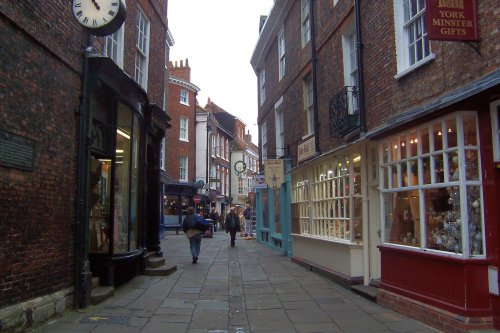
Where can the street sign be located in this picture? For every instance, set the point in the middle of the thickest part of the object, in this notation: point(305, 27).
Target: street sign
point(197, 199)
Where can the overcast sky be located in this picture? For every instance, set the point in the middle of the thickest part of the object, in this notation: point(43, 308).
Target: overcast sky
point(218, 38)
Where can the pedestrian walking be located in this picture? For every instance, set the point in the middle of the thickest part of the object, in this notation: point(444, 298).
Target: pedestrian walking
point(247, 215)
point(214, 216)
point(194, 226)
point(232, 225)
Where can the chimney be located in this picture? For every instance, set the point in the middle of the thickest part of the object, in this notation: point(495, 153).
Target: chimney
point(181, 71)
point(248, 137)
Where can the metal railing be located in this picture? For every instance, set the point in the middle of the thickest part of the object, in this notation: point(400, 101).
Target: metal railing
point(344, 112)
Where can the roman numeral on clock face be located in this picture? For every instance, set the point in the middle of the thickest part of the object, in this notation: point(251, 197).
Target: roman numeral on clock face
point(85, 20)
point(111, 13)
point(78, 4)
point(114, 4)
point(79, 13)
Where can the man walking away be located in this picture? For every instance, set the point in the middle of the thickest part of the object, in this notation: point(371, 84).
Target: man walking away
point(232, 225)
point(247, 214)
point(193, 232)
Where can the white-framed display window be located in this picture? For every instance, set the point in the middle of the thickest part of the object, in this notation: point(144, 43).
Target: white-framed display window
point(431, 189)
point(327, 198)
point(495, 128)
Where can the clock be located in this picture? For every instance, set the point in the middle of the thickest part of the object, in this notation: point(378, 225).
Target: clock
point(240, 166)
point(100, 17)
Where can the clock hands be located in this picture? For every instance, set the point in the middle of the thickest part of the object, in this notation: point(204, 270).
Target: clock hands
point(96, 4)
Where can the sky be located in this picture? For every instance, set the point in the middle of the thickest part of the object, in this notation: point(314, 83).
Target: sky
point(218, 38)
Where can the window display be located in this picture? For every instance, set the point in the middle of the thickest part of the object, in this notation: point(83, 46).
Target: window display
point(427, 190)
point(328, 199)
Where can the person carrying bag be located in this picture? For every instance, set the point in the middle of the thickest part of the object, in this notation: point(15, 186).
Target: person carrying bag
point(194, 226)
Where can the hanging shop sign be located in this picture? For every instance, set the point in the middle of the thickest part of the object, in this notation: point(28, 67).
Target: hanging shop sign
point(451, 20)
point(275, 173)
point(259, 181)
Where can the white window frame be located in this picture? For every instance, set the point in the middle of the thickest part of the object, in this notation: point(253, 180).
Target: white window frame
point(263, 139)
point(440, 156)
point(279, 130)
point(309, 106)
point(262, 86)
point(162, 154)
point(495, 129)
point(184, 129)
point(350, 67)
point(403, 26)
point(326, 206)
point(305, 23)
point(227, 149)
point(281, 53)
point(142, 49)
point(113, 46)
point(183, 169)
point(184, 97)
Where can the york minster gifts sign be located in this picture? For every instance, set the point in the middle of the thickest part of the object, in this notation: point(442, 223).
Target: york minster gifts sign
point(275, 173)
point(452, 20)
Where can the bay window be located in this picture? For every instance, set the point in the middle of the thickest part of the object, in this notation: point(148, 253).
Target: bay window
point(431, 188)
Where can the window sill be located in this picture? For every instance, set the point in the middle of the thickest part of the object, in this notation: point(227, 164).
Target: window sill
point(182, 139)
point(331, 240)
point(413, 67)
point(428, 252)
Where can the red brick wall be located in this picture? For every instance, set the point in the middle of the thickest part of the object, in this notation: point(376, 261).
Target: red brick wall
point(39, 97)
point(175, 147)
point(455, 65)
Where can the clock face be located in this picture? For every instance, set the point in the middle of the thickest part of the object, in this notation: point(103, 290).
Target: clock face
point(240, 166)
point(100, 17)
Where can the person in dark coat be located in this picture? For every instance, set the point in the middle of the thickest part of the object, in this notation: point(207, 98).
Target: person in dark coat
point(232, 225)
point(193, 233)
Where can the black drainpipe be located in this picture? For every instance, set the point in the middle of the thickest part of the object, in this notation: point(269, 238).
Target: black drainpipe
point(359, 60)
point(315, 95)
point(82, 264)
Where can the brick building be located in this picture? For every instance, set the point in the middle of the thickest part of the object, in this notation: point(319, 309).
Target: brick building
point(180, 151)
point(391, 151)
point(80, 144)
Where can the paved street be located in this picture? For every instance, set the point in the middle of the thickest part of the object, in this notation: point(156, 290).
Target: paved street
point(248, 288)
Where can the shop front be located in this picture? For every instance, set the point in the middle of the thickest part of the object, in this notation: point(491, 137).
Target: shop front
point(439, 252)
point(327, 214)
point(123, 131)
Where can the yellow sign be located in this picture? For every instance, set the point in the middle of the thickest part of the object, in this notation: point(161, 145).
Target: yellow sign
point(275, 173)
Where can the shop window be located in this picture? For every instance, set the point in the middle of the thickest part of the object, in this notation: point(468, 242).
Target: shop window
point(431, 189)
point(328, 199)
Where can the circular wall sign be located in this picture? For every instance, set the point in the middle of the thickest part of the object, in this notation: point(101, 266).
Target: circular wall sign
point(240, 166)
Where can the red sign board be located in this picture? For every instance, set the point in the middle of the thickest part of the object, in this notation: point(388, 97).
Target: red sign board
point(197, 199)
point(453, 20)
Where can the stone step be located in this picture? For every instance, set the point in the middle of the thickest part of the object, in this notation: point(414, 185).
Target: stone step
point(163, 270)
point(368, 292)
point(155, 262)
point(100, 294)
point(95, 282)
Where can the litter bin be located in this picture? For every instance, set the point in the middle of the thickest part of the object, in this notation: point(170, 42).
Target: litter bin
point(210, 231)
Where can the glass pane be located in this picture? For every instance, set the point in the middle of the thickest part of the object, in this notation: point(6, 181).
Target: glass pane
point(425, 140)
point(356, 177)
point(357, 219)
point(438, 168)
point(453, 166)
point(404, 174)
point(385, 157)
point(451, 132)
point(402, 144)
point(402, 218)
point(471, 164)
point(413, 144)
point(385, 172)
point(134, 185)
point(413, 172)
point(476, 242)
point(122, 181)
point(426, 166)
point(438, 137)
point(443, 222)
point(99, 203)
point(470, 132)
point(394, 176)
